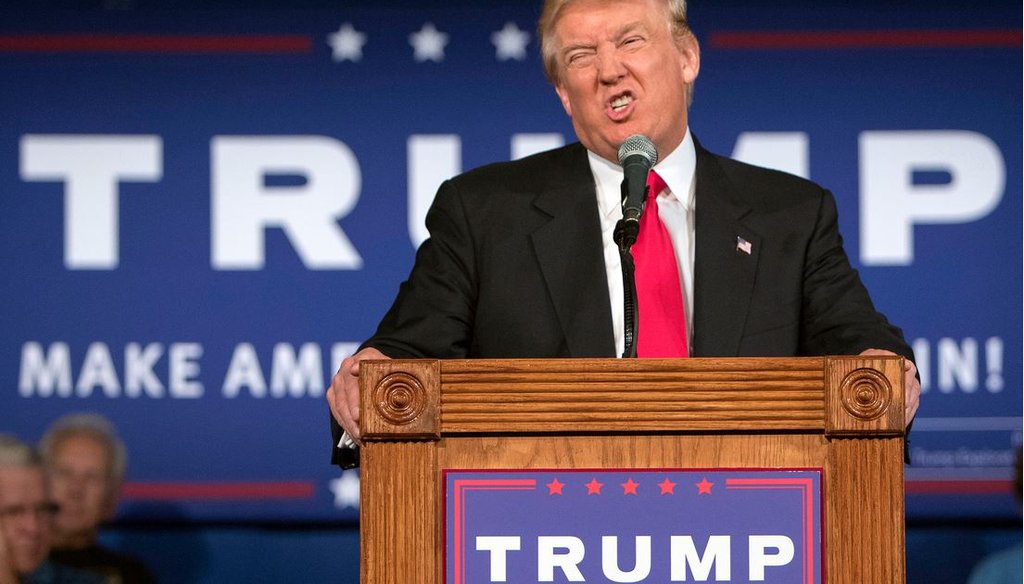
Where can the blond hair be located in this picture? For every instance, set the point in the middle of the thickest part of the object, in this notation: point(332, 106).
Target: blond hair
point(16, 454)
point(93, 426)
point(552, 10)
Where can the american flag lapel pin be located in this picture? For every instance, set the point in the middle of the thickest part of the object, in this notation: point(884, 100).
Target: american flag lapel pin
point(743, 245)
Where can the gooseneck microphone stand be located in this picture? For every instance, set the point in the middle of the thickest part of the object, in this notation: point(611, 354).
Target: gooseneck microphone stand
point(625, 236)
point(636, 157)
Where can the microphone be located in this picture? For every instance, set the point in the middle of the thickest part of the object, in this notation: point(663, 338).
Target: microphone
point(636, 156)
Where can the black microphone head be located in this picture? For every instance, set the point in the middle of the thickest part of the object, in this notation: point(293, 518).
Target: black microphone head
point(641, 145)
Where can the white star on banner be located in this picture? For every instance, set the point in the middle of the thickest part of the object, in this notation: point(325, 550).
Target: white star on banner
point(510, 42)
point(346, 490)
point(346, 43)
point(428, 44)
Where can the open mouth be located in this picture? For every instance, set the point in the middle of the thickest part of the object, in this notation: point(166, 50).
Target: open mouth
point(621, 103)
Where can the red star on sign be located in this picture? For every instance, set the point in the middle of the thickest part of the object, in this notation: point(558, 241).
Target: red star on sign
point(667, 487)
point(704, 487)
point(555, 487)
point(594, 487)
point(629, 487)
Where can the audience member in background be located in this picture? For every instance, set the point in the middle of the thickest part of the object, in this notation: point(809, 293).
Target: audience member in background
point(25, 514)
point(1004, 567)
point(85, 464)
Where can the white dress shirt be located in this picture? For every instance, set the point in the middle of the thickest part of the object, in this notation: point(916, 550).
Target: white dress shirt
point(677, 170)
point(676, 209)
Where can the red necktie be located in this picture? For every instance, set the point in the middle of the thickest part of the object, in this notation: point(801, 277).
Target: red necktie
point(662, 326)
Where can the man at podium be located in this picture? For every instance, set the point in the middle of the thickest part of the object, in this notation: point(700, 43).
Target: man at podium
point(731, 259)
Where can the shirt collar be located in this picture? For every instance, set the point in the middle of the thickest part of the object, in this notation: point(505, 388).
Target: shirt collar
point(676, 169)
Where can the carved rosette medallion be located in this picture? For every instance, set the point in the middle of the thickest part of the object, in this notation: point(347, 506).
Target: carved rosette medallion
point(866, 394)
point(399, 398)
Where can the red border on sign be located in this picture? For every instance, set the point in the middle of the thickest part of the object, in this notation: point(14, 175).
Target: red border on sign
point(461, 487)
point(806, 488)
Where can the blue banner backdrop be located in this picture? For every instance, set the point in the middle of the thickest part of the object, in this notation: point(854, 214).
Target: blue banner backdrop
point(205, 210)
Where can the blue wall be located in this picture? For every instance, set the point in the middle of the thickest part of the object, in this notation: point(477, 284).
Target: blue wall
point(194, 553)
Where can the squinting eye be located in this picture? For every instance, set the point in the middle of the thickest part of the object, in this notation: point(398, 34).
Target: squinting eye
point(579, 59)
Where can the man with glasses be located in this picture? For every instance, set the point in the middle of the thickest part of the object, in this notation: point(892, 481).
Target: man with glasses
point(26, 513)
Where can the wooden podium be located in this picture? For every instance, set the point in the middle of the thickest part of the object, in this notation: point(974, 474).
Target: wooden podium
point(844, 415)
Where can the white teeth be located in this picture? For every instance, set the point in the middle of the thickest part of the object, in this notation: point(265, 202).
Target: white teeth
point(621, 102)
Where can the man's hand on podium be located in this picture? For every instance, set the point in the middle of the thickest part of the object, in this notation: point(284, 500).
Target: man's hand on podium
point(911, 385)
point(343, 395)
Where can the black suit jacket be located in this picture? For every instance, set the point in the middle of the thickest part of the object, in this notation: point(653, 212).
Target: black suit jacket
point(514, 267)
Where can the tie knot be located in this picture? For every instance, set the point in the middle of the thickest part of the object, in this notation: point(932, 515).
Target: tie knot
point(656, 184)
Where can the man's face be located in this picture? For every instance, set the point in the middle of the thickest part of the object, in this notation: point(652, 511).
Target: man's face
point(80, 481)
point(24, 517)
point(621, 72)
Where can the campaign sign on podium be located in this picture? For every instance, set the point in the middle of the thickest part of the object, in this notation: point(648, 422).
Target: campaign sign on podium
point(640, 525)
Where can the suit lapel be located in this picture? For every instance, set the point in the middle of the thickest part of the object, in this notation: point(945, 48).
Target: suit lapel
point(570, 253)
point(723, 269)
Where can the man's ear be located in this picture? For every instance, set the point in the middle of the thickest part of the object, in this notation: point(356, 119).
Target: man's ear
point(689, 49)
point(563, 96)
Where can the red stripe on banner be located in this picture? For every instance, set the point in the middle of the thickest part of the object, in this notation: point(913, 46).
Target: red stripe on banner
point(461, 487)
point(806, 491)
point(73, 43)
point(867, 39)
point(959, 487)
point(217, 491)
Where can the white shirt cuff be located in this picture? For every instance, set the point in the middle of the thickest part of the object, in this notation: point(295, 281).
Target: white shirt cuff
point(346, 441)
